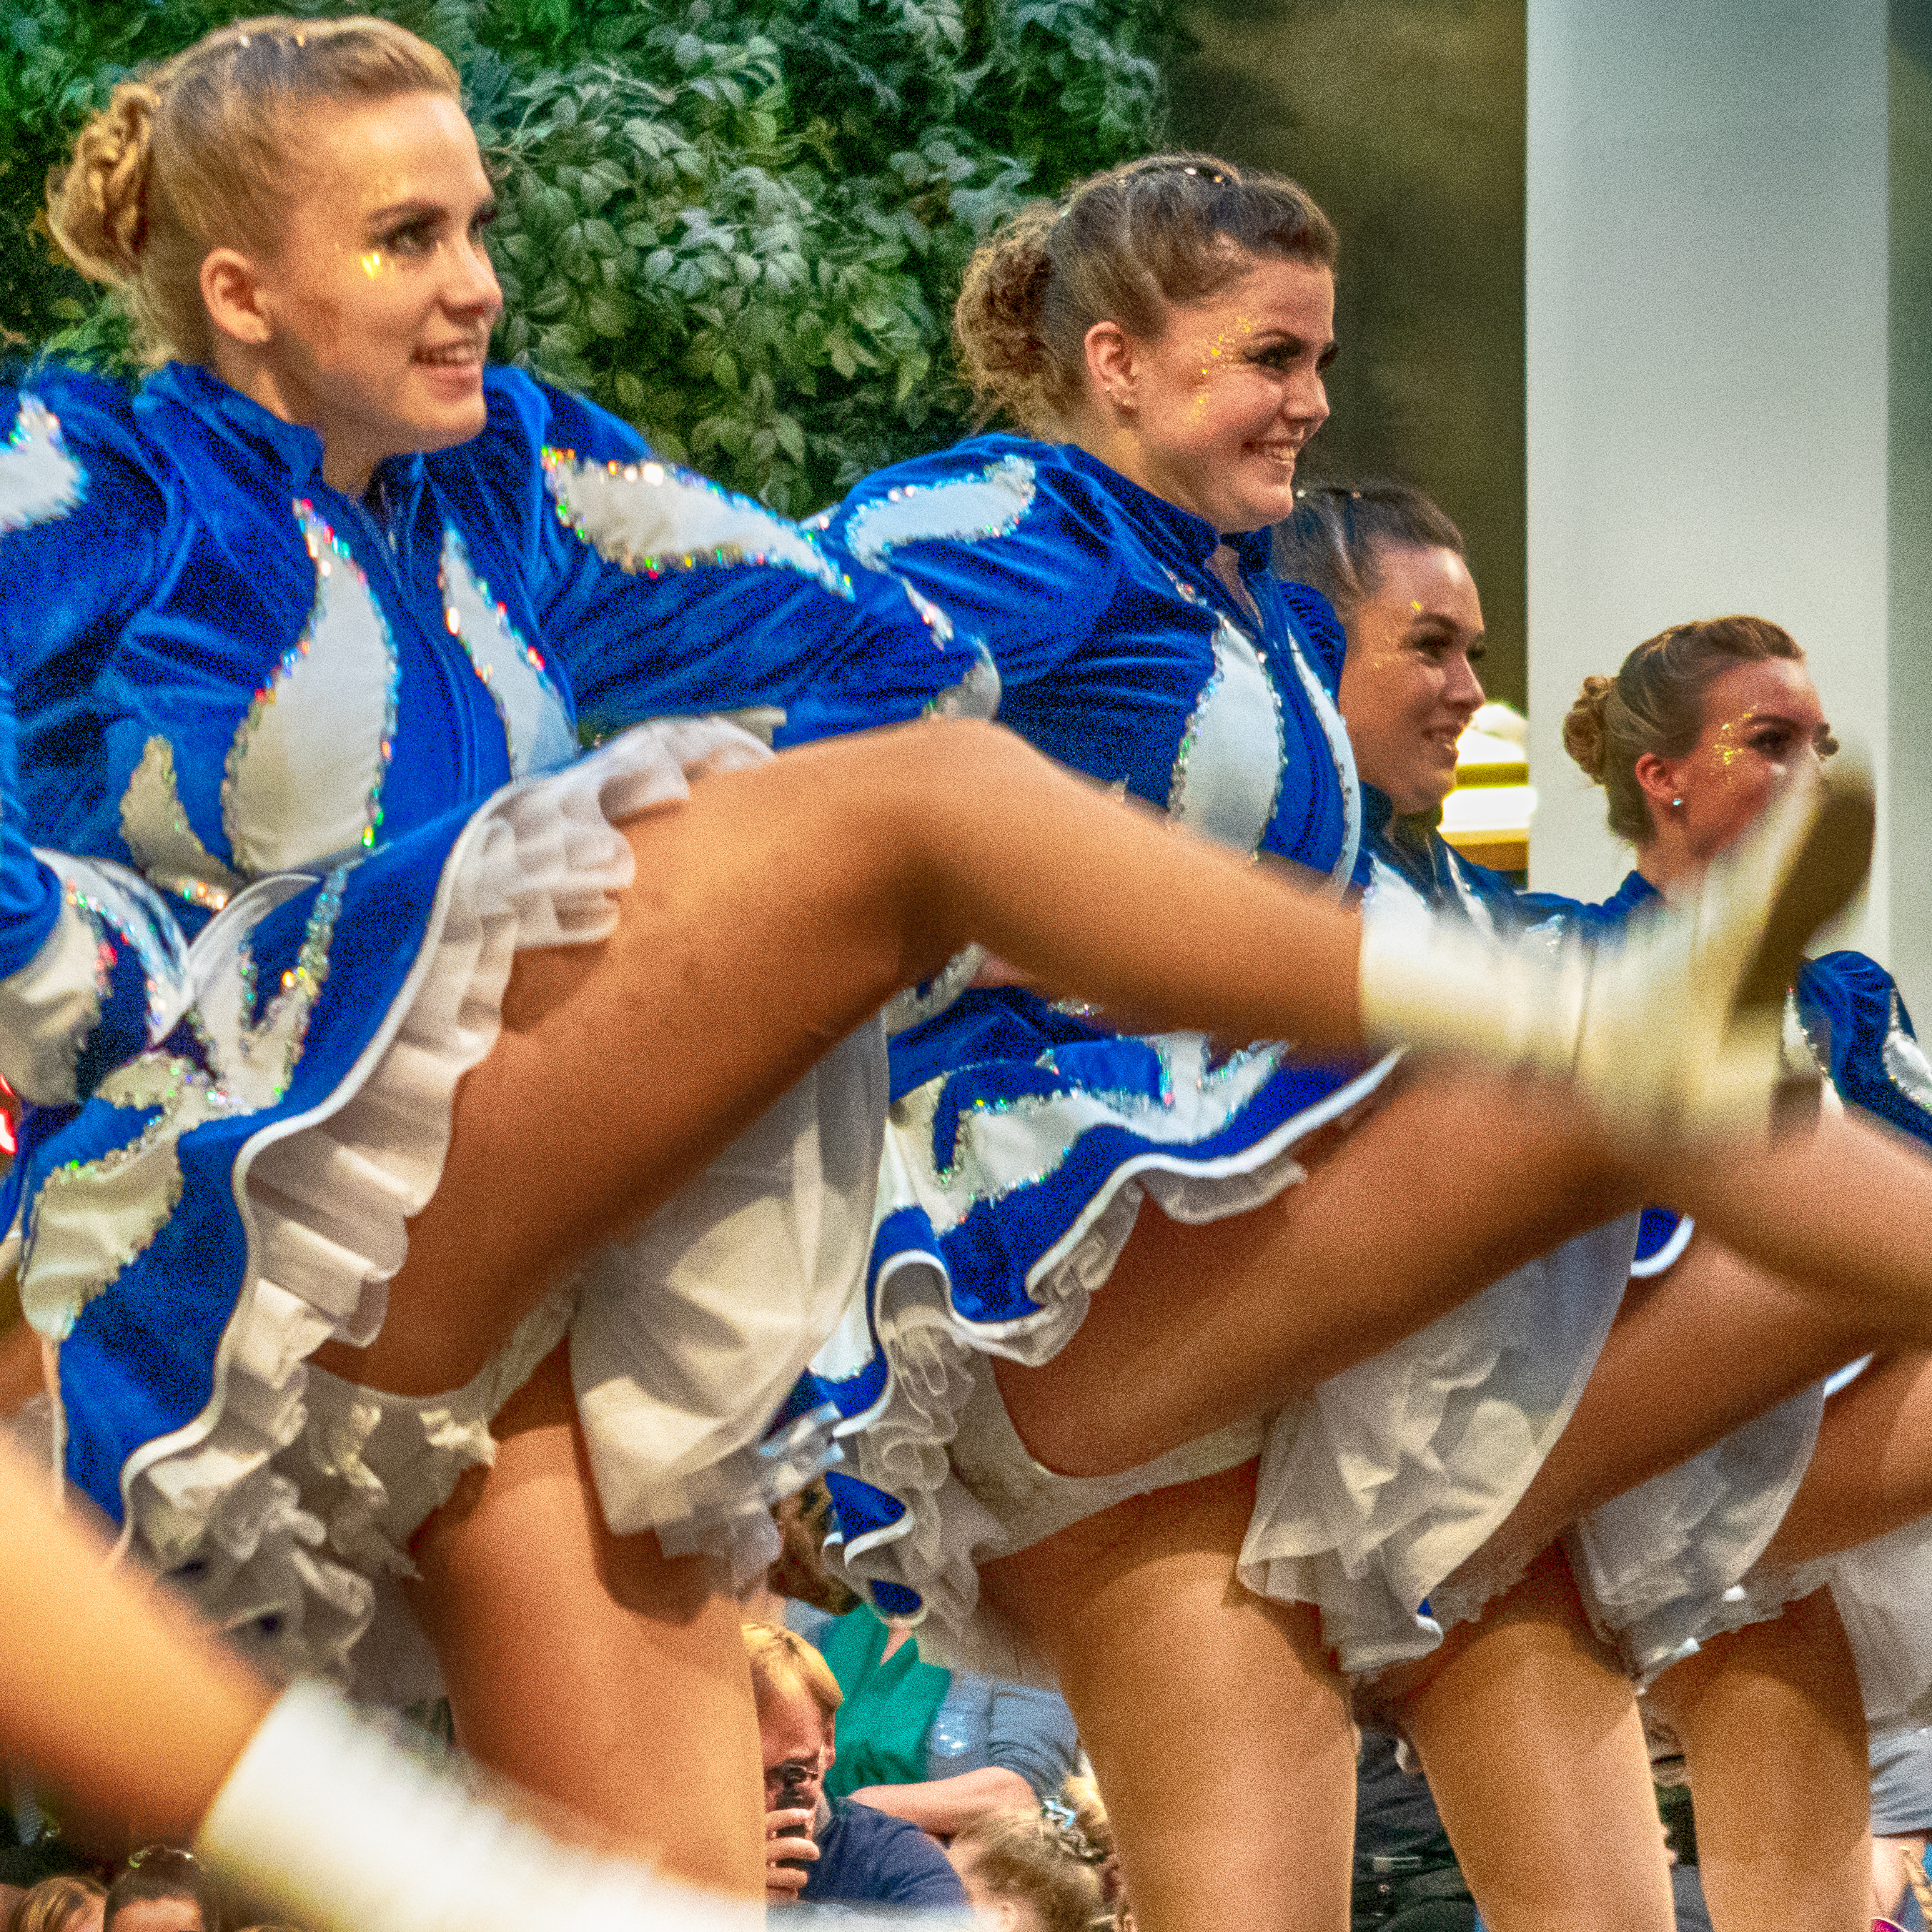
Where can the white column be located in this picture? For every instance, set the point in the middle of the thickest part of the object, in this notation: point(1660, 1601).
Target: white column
point(1706, 282)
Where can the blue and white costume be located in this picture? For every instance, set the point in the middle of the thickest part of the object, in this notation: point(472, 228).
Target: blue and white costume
point(1678, 1560)
point(1024, 1136)
point(1379, 1492)
point(303, 773)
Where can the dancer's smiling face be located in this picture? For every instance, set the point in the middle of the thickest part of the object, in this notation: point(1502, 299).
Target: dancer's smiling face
point(1213, 413)
point(1409, 686)
point(370, 322)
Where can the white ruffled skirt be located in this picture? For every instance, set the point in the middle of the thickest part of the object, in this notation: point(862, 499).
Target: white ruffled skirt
point(285, 1510)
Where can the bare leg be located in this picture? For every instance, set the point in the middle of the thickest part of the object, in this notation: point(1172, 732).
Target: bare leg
point(773, 913)
point(110, 1693)
point(1679, 1334)
point(1220, 1739)
point(1530, 1735)
point(1872, 1470)
point(1773, 1733)
point(1198, 1326)
point(536, 1609)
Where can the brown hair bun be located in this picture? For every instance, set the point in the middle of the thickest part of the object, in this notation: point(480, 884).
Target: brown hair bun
point(1583, 728)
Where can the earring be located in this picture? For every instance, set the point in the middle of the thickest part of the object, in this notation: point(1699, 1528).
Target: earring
point(1677, 804)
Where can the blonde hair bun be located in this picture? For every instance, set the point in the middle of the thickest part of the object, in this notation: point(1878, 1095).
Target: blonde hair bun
point(98, 204)
point(1584, 732)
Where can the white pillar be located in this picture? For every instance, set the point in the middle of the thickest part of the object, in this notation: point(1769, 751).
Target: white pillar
point(1706, 293)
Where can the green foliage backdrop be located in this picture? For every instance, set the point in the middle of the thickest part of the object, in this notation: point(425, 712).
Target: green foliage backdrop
point(740, 223)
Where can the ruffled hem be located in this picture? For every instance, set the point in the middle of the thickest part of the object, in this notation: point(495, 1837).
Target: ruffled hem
point(1674, 1562)
point(267, 1508)
point(919, 1553)
point(1377, 1498)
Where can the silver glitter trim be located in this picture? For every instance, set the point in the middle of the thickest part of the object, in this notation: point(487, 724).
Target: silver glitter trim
point(1228, 770)
point(165, 846)
point(964, 509)
point(305, 771)
point(650, 518)
point(39, 481)
point(535, 724)
point(1905, 1065)
point(90, 1219)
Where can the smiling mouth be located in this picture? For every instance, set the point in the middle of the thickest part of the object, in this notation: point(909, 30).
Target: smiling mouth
point(452, 356)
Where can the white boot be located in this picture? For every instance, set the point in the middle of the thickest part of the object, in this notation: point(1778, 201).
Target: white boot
point(327, 1819)
point(1675, 1027)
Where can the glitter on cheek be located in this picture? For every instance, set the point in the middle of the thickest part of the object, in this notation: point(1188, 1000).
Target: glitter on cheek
point(374, 262)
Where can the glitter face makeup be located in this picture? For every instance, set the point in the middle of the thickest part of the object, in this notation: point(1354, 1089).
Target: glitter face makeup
point(1224, 401)
point(1409, 685)
point(1759, 720)
point(382, 299)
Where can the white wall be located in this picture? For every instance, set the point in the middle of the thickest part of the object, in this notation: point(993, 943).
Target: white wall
point(1706, 323)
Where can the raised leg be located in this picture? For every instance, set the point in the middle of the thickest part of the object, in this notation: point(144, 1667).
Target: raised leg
point(774, 912)
point(1872, 1470)
point(1200, 1325)
point(1774, 1734)
point(1220, 1740)
point(1672, 1381)
point(1530, 1736)
point(590, 1668)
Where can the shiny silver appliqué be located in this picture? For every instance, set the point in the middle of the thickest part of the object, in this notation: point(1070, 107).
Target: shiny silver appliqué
point(1227, 773)
point(1905, 1064)
point(305, 770)
point(534, 721)
point(39, 481)
point(650, 517)
point(165, 847)
point(1333, 729)
point(965, 509)
point(90, 1219)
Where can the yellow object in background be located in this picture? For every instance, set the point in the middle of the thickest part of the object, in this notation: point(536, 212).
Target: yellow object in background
point(1486, 818)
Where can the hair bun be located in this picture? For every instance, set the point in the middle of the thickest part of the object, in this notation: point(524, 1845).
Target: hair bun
point(97, 205)
point(1584, 732)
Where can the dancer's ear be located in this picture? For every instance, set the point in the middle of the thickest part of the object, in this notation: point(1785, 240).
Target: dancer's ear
point(231, 291)
point(1662, 783)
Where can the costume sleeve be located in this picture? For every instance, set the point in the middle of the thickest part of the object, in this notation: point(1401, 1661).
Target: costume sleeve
point(997, 539)
point(1851, 1007)
point(1033, 1733)
point(661, 592)
point(90, 959)
point(1320, 630)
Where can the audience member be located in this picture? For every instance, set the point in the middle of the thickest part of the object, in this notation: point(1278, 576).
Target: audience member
point(65, 1903)
point(162, 1890)
point(939, 1748)
point(820, 1849)
point(1030, 1871)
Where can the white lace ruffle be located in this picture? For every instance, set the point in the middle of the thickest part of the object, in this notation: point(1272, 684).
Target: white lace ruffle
point(902, 1445)
point(1674, 1561)
point(1378, 1494)
point(285, 1509)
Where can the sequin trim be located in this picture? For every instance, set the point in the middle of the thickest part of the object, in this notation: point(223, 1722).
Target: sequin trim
point(536, 726)
point(1905, 1064)
point(90, 1219)
point(962, 509)
point(304, 773)
point(39, 480)
point(1227, 773)
point(650, 518)
point(154, 824)
point(1003, 1145)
